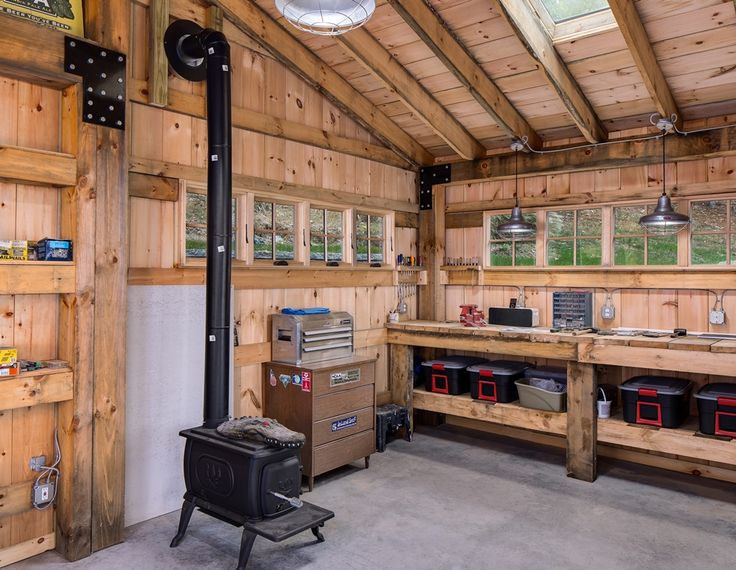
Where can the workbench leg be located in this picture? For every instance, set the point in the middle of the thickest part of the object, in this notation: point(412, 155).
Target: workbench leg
point(402, 376)
point(582, 422)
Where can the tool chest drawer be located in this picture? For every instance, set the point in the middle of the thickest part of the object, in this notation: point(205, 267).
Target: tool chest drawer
point(343, 401)
point(343, 425)
point(346, 450)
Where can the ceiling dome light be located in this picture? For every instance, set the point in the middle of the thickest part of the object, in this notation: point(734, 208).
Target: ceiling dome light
point(517, 227)
point(326, 17)
point(664, 220)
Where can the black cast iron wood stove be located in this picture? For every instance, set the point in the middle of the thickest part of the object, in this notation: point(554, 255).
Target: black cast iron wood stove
point(243, 483)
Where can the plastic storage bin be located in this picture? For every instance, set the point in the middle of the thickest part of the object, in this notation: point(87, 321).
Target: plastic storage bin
point(717, 409)
point(539, 398)
point(656, 400)
point(494, 381)
point(448, 375)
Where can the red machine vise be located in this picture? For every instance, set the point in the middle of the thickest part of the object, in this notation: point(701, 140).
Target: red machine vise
point(470, 316)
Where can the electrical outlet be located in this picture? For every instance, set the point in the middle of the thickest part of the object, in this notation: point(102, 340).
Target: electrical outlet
point(608, 312)
point(38, 462)
point(43, 493)
point(717, 317)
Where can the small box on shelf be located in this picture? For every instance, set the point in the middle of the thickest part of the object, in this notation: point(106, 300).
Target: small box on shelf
point(49, 249)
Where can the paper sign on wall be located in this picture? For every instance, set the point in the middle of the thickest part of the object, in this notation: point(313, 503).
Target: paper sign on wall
point(64, 15)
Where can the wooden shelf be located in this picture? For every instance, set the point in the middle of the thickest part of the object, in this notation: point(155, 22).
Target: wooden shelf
point(38, 387)
point(36, 277)
point(25, 165)
point(410, 276)
point(511, 415)
point(683, 442)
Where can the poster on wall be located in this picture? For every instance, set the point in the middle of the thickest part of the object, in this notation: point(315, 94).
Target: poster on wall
point(64, 15)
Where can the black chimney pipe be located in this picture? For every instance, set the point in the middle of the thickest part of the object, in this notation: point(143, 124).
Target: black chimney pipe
point(199, 54)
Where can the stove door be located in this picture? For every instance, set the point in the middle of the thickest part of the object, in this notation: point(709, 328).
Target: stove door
point(282, 477)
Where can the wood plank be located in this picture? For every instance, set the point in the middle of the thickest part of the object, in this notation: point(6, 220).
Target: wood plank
point(693, 344)
point(15, 499)
point(528, 27)
point(721, 364)
point(266, 185)
point(511, 415)
point(401, 375)
point(39, 387)
point(26, 549)
point(707, 144)
point(158, 64)
point(258, 25)
point(581, 422)
point(724, 346)
point(25, 165)
point(36, 277)
point(370, 53)
point(641, 50)
point(605, 277)
point(153, 187)
point(435, 34)
point(406, 220)
point(214, 18)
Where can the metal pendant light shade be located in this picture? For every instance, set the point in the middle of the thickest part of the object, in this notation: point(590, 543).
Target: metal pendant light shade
point(664, 220)
point(326, 17)
point(516, 227)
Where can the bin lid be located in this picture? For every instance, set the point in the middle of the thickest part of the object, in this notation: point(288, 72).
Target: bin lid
point(548, 372)
point(717, 390)
point(502, 367)
point(662, 384)
point(454, 362)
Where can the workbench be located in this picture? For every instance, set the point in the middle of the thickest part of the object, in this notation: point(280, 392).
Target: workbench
point(579, 430)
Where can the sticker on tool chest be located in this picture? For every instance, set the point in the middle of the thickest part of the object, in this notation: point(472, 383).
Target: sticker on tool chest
point(296, 379)
point(306, 381)
point(345, 423)
point(346, 377)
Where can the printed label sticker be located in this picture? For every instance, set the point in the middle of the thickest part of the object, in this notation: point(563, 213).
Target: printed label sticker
point(272, 378)
point(344, 377)
point(285, 380)
point(344, 423)
point(306, 381)
point(296, 380)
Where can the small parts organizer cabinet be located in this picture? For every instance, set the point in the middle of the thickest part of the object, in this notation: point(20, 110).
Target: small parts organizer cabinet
point(333, 403)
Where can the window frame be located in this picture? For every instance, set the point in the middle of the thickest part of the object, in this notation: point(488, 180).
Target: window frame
point(387, 238)
point(604, 237)
point(574, 28)
point(730, 234)
point(346, 221)
point(643, 234)
point(487, 240)
point(299, 246)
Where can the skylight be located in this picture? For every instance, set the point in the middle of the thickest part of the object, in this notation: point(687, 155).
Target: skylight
point(563, 10)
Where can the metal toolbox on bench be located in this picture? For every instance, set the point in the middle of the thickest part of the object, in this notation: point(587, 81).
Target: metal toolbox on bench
point(307, 339)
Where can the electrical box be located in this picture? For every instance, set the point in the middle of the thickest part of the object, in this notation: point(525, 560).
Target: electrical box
point(608, 312)
point(43, 493)
point(717, 317)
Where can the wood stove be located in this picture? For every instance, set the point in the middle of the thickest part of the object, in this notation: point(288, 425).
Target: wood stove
point(244, 483)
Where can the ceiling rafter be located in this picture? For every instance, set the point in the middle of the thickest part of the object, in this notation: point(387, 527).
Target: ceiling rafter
point(369, 52)
point(528, 27)
point(641, 50)
point(432, 30)
point(257, 24)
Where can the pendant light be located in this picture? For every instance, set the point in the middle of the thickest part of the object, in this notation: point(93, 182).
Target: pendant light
point(664, 220)
point(326, 17)
point(516, 227)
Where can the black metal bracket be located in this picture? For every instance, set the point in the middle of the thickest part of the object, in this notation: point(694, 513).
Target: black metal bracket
point(103, 80)
point(429, 176)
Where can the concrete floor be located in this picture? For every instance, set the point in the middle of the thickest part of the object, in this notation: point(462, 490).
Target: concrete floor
point(461, 500)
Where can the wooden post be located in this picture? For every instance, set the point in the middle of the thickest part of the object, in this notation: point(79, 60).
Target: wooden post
point(214, 18)
point(432, 250)
point(582, 421)
point(401, 375)
point(158, 64)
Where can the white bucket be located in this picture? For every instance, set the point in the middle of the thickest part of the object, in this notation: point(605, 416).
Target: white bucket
point(604, 406)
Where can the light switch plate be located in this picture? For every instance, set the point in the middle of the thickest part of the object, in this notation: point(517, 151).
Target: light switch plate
point(608, 312)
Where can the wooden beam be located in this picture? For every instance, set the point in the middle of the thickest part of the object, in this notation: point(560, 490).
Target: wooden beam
point(401, 375)
point(214, 18)
point(433, 31)
point(257, 24)
point(36, 277)
point(708, 144)
point(406, 220)
point(250, 120)
point(583, 198)
point(40, 387)
point(158, 64)
point(255, 183)
point(431, 303)
point(528, 27)
point(641, 50)
point(369, 52)
point(153, 187)
point(30, 166)
point(581, 422)
point(27, 548)
point(33, 53)
point(15, 499)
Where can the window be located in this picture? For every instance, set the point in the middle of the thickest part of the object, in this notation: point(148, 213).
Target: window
point(369, 238)
point(274, 230)
point(562, 10)
point(713, 232)
point(631, 244)
point(574, 237)
point(504, 252)
point(326, 235)
point(196, 225)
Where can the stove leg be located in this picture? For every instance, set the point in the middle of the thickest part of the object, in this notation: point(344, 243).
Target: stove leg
point(246, 546)
point(318, 535)
point(186, 513)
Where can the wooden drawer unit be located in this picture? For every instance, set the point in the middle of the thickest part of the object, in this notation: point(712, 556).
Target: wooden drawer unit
point(332, 403)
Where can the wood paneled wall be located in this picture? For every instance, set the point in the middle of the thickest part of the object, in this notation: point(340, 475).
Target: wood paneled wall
point(262, 84)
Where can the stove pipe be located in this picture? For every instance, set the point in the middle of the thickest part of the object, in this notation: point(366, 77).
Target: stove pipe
point(199, 54)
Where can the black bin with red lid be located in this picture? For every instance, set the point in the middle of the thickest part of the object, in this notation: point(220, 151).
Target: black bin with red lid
point(448, 375)
point(494, 381)
point(717, 409)
point(660, 401)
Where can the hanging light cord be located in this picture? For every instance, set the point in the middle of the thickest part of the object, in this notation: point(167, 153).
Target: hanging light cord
point(664, 166)
point(516, 177)
point(673, 118)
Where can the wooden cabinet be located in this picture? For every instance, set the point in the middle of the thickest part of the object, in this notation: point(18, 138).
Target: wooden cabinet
point(332, 403)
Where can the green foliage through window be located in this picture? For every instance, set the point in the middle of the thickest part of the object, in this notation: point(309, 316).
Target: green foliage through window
point(508, 253)
point(273, 231)
point(196, 226)
point(631, 244)
point(326, 235)
point(713, 232)
point(369, 238)
point(574, 237)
